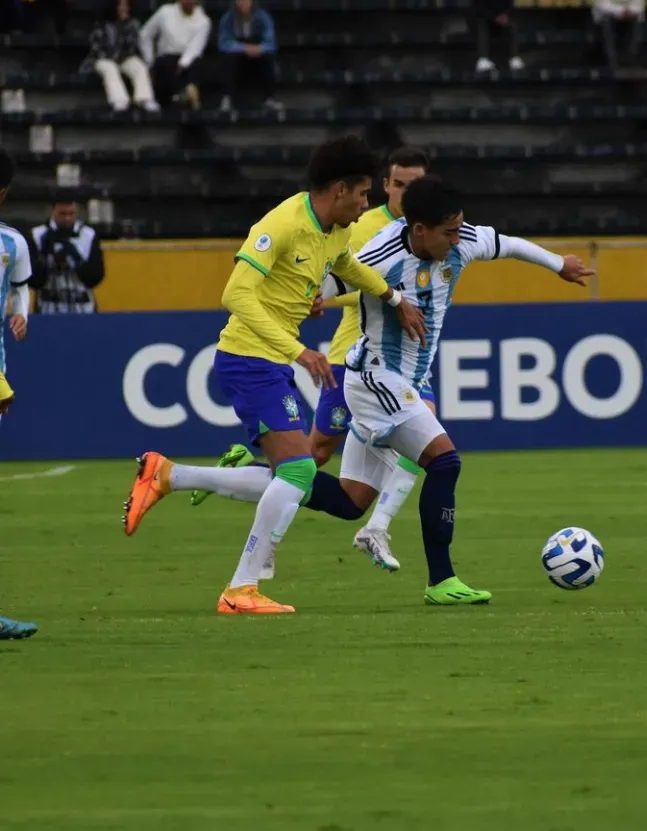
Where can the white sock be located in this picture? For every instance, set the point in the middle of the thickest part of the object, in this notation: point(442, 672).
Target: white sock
point(398, 486)
point(276, 510)
point(247, 484)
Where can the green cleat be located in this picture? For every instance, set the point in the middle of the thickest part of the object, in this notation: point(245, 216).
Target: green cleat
point(237, 456)
point(453, 592)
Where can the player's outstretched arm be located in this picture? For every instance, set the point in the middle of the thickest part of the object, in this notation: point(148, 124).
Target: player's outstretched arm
point(479, 242)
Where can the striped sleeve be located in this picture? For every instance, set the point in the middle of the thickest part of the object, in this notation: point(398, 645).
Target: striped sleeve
point(478, 242)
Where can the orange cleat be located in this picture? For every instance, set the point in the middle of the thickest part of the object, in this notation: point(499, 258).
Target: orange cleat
point(247, 600)
point(151, 484)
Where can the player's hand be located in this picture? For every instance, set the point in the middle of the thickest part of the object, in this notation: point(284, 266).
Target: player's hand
point(18, 326)
point(502, 20)
point(317, 306)
point(317, 365)
point(574, 270)
point(412, 321)
point(5, 404)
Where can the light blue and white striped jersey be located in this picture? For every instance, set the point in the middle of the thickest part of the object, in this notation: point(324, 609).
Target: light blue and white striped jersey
point(15, 270)
point(428, 284)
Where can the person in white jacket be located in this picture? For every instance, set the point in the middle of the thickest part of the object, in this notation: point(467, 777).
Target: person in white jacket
point(612, 16)
point(173, 42)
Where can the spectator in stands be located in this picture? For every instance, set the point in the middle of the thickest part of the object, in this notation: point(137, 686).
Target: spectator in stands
point(495, 18)
point(173, 42)
point(620, 17)
point(114, 51)
point(66, 260)
point(247, 42)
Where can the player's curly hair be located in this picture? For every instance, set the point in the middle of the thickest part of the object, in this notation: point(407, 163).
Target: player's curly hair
point(347, 159)
point(431, 201)
point(408, 156)
point(7, 169)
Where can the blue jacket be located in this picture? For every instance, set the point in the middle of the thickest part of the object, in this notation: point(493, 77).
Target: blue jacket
point(230, 32)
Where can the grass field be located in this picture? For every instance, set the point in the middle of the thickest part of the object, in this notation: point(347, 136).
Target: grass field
point(136, 708)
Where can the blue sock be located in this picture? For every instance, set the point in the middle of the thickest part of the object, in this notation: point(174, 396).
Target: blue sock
point(437, 503)
point(329, 496)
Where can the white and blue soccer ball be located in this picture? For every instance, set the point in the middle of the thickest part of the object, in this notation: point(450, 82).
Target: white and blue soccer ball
point(573, 558)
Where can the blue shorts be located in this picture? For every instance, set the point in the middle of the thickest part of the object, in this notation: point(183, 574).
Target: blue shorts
point(332, 416)
point(263, 394)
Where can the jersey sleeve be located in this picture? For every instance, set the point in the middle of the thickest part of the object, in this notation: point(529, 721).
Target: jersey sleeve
point(478, 242)
point(21, 271)
point(358, 275)
point(267, 240)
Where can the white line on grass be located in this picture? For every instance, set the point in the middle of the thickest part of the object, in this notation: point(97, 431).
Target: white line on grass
point(53, 471)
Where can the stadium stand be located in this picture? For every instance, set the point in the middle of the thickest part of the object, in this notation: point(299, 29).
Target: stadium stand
point(558, 148)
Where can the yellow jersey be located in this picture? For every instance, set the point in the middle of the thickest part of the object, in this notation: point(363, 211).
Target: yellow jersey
point(5, 390)
point(349, 330)
point(290, 256)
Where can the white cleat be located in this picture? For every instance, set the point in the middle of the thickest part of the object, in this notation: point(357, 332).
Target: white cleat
point(517, 64)
point(376, 545)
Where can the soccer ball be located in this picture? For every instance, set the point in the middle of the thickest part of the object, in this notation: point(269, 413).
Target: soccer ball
point(573, 558)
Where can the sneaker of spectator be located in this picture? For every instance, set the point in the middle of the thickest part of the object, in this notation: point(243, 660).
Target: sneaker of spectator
point(620, 20)
point(495, 17)
point(114, 53)
point(173, 41)
point(247, 45)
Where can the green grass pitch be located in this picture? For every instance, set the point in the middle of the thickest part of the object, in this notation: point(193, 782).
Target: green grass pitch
point(136, 708)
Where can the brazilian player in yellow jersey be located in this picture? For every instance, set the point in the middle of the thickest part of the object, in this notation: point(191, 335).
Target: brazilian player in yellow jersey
point(279, 271)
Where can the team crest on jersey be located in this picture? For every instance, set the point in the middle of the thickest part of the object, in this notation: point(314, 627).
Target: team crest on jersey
point(327, 269)
point(291, 407)
point(6, 259)
point(446, 273)
point(338, 417)
point(423, 278)
point(263, 243)
point(409, 396)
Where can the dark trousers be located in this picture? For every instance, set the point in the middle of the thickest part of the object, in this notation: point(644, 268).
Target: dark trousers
point(630, 31)
point(251, 75)
point(488, 28)
point(168, 81)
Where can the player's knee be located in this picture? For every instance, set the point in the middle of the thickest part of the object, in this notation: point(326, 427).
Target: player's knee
point(447, 465)
point(298, 472)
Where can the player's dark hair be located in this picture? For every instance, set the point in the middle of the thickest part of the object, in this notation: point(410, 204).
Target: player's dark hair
point(63, 196)
point(431, 201)
point(408, 156)
point(347, 159)
point(7, 169)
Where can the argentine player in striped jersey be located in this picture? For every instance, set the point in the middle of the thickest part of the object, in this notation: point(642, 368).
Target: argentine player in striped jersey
point(421, 256)
point(15, 271)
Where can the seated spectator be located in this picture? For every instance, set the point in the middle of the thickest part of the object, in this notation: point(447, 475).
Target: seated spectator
point(173, 41)
point(66, 261)
point(247, 42)
point(495, 17)
point(114, 51)
point(620, 18)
